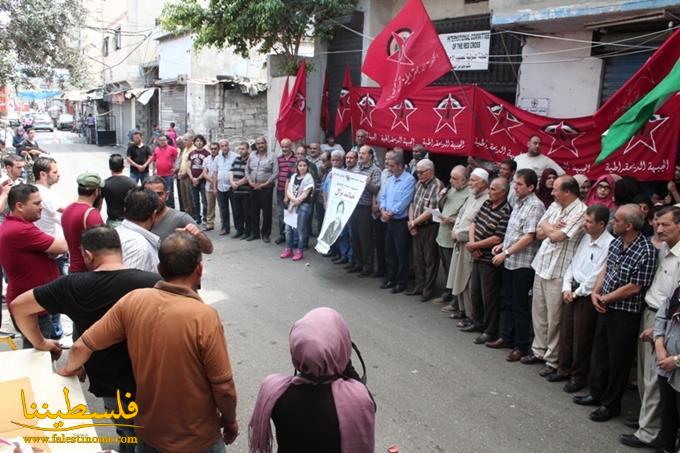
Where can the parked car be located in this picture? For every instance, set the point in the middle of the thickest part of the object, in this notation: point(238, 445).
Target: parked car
point(13, 119)
point(42, 121)
point(65, 121)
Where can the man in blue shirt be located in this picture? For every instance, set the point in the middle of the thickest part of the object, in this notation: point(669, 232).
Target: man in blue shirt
point(394, 202)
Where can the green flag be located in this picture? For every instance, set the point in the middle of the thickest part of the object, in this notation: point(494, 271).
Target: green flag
point(635, 117)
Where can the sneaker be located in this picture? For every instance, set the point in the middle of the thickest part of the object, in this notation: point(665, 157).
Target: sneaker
point(298, 255)
point(287, 253)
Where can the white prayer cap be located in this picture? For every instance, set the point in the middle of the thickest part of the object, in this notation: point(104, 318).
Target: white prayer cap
point(480, 173)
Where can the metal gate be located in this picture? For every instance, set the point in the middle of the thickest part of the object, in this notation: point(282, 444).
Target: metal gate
point(174, 107)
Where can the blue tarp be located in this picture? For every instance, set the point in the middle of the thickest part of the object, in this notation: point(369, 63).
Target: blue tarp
point(32, 95)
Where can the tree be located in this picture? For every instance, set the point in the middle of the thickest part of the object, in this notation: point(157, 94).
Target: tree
point(36, 40)
point(269, 26)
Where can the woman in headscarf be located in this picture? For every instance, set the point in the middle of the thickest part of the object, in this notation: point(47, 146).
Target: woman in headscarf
point(545, 187)
point(584, 185)
point(323, 407)
point(602, 192)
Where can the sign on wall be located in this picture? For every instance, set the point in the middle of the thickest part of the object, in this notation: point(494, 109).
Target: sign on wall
point(468, 51)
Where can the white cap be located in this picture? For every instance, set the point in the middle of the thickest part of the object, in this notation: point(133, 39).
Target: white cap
point(480, 173)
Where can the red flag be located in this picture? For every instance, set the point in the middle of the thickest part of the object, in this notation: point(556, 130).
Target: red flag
point(325, 118)
point(343, 115)
point(406, 56)
point(284, 97)
point(655, 69)
point(292, 121)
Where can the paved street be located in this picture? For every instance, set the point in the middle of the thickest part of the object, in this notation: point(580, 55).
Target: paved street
point(436, 391)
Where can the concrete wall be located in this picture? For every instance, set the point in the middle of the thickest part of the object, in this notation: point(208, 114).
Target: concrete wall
point(243, 116)
point(203, 107)
point(174, 57)
point(572, 87)
point(132, 16)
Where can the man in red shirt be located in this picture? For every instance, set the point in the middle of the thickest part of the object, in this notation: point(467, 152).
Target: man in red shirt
point(27, 254)
point(164, 157)
point(81, 215)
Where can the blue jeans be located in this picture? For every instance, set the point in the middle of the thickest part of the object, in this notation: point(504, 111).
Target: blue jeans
point(111, 403)
point(138, 176)
point(304, 212)
point(199, 204)
point(217, 447)
point(169, 187)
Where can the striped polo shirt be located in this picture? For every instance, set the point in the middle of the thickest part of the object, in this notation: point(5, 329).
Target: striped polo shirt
point(286, 168)
point(489, 222)
point(238, 172)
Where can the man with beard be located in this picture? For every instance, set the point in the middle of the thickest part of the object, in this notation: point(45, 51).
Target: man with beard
point(536, 161)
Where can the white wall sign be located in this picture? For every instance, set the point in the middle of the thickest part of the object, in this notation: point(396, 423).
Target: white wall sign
point(468, 51)
point(539, 106)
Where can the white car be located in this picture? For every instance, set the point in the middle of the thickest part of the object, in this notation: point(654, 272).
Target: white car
point(42, 121)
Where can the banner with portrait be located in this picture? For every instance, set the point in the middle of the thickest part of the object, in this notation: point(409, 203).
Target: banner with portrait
point(343, 195)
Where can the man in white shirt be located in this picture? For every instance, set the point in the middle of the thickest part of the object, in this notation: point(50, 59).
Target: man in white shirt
point(560, 230)
point(535, 160)
point(139, 245)
point(666, 279)
point(221, 167)
point(579, 317)
point(46, 175)
point(209, 175)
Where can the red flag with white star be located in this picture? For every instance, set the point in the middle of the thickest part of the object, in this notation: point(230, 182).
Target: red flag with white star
point(343, 115)
point(325, 118)
point(292, 121)
point(406, 56)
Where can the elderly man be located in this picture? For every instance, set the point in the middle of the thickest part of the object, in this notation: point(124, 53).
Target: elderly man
point(222, 166)
point(461, 268)
point(424, 230)
point(487, 231)
point(162, 326)
point(515, 254)
point(262, 171)
point(451, 201)
point(241, 196)
point(360, 222)
point(666, 279)
point(286, 162)
point(578, 315)
point(560, 230)
point(395, 198)
point(618, 298)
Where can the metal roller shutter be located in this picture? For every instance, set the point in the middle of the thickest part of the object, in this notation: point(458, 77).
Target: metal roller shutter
point(174, 107)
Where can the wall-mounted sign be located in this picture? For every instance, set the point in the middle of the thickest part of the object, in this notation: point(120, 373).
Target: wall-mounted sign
point(468, 51)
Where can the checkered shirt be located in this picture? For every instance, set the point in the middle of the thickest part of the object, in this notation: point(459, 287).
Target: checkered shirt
point(524, 219)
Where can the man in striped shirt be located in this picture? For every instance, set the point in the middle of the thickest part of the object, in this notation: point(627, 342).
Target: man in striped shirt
point(424, 230)
point(487, 231)
point(241, 193)
point(560, 230)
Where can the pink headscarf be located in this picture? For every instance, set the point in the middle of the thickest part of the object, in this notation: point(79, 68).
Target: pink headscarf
point(320, 345)
point(592, 195)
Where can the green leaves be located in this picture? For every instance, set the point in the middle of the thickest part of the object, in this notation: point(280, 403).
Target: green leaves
point(37, 40)
point(268, 26)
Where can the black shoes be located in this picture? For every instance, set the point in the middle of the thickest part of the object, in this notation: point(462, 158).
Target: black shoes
point(252, 238)
point(266, 239)
point(280, 240)
point(237, 235)
point(483, 338)
point(387, 285)
point(586, 400)
point(398, 289)
point(414, 292)
point(556, 377)
point(573, 386)
point(603, 413)
point(631, 440)
point(531, 359)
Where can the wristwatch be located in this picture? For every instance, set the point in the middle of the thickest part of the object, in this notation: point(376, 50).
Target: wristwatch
point(507, 252)
point(677, 361)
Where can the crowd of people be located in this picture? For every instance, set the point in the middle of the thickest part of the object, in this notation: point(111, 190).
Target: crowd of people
point(580, 276)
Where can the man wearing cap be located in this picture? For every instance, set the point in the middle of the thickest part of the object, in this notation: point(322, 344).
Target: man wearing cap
point(459, 274)
point(81, 215)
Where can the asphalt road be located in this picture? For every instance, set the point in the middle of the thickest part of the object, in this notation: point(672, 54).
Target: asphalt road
point(436, 391)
